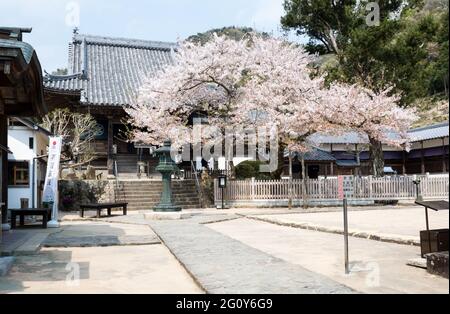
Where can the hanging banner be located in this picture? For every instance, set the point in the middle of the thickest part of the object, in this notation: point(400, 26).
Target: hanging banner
point(51, 179)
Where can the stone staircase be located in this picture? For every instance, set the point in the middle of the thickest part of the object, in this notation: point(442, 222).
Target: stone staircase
point(127, 166)
point(145, 194)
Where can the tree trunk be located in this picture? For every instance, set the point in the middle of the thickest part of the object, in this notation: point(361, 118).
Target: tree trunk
point(290, 181)
point(304, 194)
point(377, 158)
point(281, 150)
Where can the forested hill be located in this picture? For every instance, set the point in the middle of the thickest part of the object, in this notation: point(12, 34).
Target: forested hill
point(409, 49)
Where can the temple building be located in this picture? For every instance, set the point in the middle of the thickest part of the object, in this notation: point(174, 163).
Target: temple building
point(21, 95)
point(348, 154)
point(104, 76)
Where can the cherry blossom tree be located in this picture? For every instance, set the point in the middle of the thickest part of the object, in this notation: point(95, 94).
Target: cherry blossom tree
point(202, 79)
point(375, 116)
point(258, 81)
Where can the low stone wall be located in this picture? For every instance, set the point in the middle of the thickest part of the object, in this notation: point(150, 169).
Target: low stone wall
point(74, 193)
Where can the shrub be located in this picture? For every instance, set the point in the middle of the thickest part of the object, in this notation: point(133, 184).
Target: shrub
point(250, 169)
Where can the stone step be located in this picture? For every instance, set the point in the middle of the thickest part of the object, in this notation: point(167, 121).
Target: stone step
point(158, 197)
point(152, 204)
point(146, 194)
point(156, 184)
point(154, 194)
point(156, 190)
point(149, 188)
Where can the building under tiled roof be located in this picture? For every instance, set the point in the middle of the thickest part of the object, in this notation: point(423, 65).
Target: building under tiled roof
point(109, 71)
point(430, 132)
point(315, 154)
point(416, 135)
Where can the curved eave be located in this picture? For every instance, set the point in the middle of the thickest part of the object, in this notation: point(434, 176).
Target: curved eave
point(41, 108)
point(58, 91)
point(26, 62)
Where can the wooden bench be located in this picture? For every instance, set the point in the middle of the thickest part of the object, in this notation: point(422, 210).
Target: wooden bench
point(46, 214)
point(100, 207)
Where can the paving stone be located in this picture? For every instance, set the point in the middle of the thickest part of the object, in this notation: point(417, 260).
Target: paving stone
point(223, 265)
point(57, 241)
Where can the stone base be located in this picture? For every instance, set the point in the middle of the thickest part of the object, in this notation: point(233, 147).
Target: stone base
point(418, 263)
point(167, 208)
point(53, 224)
point(167, 216)
point(437, 264)
point(6, 227)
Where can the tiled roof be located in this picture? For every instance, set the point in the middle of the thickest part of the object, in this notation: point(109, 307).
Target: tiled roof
point(26, 49)
point(430, 132)
point(109, 71)
point(346, 138)
point(316, 154)
point(416, 135)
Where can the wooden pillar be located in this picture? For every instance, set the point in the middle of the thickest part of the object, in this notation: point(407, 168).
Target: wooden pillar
point(444, 162)
point(4, 170)
point(291, 175)
point(332, 163)
point(110, 146)
point(405, 158)
point(422, 154)
point(358, 161)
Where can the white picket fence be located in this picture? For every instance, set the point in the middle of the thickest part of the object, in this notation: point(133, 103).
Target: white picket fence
point(366, 188)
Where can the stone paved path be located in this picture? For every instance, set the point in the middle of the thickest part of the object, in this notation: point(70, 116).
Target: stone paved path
point(100, 234)
point(223, 265)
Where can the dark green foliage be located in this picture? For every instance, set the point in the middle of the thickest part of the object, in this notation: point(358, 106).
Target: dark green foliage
point(233, 32)
point(409, 50)
point(249, 170)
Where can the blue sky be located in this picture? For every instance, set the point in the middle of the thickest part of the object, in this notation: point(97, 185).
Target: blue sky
point(164, 20)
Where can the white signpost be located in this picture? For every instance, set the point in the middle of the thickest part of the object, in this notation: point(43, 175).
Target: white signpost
point(51, 179)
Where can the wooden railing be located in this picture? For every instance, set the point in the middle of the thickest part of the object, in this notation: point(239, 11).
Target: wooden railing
point(365, 188)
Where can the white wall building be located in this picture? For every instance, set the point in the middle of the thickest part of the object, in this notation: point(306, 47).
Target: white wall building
point(26, 167)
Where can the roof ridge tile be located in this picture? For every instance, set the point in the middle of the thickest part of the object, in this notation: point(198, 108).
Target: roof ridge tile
point(124, 42)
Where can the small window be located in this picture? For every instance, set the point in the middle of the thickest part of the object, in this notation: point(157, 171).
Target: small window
point(18, 173)
point(31, 142)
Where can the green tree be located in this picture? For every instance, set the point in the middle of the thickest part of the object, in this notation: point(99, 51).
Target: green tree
point(407, 50)
point(329, 24)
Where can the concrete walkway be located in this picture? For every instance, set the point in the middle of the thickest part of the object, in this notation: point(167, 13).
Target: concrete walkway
point(100, 234)
point(377, 267)
point(107, 270)
point(223, 265)
point(402, 225)
point(94, 257)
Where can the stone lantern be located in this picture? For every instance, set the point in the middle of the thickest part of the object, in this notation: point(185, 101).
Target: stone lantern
point(166, 167)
